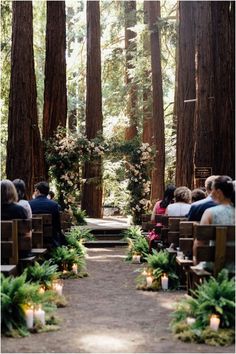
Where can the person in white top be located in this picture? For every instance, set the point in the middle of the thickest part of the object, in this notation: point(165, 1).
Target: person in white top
point(181, 206)
point(20, 188)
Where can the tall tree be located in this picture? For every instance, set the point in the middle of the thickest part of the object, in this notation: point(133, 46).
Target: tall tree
point(130, 48)
point(24, 154)
point(203, 126)
point(223, 21)
point(158, 174)
point(147, 113)
point(92, 189)
point(55, 99)
point(185, 94)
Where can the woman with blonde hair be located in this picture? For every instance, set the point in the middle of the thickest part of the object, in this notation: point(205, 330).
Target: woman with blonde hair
point(182, 204)
point(9, 208)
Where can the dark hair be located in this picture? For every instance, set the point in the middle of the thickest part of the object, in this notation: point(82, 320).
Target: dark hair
point(20, 188)
point(168, 196)
point(198, 194)
point(226, 185)
point(43, 187)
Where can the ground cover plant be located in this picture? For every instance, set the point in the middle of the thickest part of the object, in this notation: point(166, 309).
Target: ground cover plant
point(215, 296)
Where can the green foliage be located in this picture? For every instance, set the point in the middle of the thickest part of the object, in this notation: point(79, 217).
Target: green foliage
point(161, 262)
point(215, 296)
point(80, 233)
point(79, 216)
point(65, 257)
point(133, 232)
point(15, 294)
point(138, 245)
point(43, 273)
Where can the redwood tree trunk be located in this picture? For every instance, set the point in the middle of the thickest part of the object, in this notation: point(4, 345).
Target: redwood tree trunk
point(147, 109)
point(55, 100)
point(203, 126)
point(185, 90)
point(24, 153)
point(158, 174)
point(130, 47)
point(223, 19)
point(92, 189)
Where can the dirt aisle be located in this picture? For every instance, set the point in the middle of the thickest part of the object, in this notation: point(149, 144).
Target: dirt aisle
point(106, 314)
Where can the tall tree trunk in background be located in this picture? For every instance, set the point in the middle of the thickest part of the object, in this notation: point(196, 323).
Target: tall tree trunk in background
point(130, 47)
point(55, 100)
point(185, 90)
point(158, 174)
point(24, 153)
point(92, 189)
point(223, 19)
point(147, 110)
point(203, 125)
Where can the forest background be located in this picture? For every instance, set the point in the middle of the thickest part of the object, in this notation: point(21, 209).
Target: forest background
point(126, 68)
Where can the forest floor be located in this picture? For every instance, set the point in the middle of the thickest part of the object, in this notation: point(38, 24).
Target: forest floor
point(106, 314)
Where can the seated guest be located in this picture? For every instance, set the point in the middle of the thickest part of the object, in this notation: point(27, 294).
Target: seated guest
point(161, 205)
point(197, 209)
point(197, 194)
point(9, 208)
point(20, 188)
point(51, 195)
point(182, 205)
point(42, 205)
point(223, 194)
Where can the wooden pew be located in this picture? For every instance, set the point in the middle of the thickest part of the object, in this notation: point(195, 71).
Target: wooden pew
point(66, 220)
point(218, 247)
point(37, 232)
point(174, 233)
point(9, 247)
point(47, 229)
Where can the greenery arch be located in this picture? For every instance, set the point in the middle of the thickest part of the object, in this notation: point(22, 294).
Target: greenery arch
point(66, 153)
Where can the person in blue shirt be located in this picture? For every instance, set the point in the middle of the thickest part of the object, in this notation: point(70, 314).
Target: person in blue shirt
point(42, 205)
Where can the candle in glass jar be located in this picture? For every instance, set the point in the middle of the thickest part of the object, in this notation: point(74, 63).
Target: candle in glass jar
point(149, 280)
point(39, 315)
point(58, 288)
point(190, 320)
point(29, 317)
point(164, 282)
point(75, 268)
point(136, 258)
point(214, 322)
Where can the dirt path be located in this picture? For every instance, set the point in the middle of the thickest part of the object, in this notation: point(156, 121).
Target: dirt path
point(106, 314)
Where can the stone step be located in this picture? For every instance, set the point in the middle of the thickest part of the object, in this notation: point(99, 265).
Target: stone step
point(105, 243)
point(107, 237)
point(107, 231)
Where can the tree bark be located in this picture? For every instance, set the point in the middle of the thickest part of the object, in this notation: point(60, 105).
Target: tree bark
point(203, 125)
point(130, 48)
point(24, 153)
point(158, 174)
point(92, 189)
point(223, 19)
point(185, 90)
point(147, 109)
point(55, 99)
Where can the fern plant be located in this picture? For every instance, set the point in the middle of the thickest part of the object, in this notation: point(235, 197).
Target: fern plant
point(79, 216)
point(161, 262)
point(133, 232)
point(15, 294)
point(80, 233)
point(77, 245)
point(139, 246)
point(214, 296)
point(65, 257)
point(43, 273)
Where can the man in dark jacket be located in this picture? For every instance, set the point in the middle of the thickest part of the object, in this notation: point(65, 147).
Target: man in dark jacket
point(197, 209)
point(42, 205)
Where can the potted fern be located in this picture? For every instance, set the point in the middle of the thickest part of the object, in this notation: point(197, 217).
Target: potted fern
point(138, 246)
point(80, 234)
point(215, 296)
point(158, 264)
point(43, 274)
point(65, 257)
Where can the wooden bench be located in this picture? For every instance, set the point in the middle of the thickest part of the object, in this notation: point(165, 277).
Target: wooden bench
point(66, 220)
point(217, 245)
point(47, 229)
point(9, 247)
point(37, 232)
